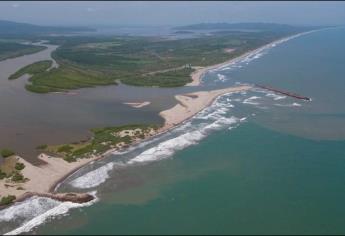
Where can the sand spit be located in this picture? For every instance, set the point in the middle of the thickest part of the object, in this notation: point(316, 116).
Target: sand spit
point(190, 104)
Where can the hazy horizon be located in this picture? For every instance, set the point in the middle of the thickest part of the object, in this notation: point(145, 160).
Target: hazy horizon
point(143, 13)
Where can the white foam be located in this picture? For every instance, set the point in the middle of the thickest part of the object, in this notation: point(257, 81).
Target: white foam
point(30, 207)
point(250, 100)
point(169, 147)
point(256, 54)
point(295, 104)
point(275, 96)
point(93, 178)
point(27, 209)
point(221, 77)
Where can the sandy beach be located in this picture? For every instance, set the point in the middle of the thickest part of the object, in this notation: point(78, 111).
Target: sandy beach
point(191, 103)
point(44, 178)
point(201, 71)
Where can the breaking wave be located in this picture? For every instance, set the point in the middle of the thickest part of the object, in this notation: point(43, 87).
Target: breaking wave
point(251, 100)
point(275, 96)
point(169, 147)
point(37, 210)
point(295, 104)
point(254, 55)
point(93, 178)
point(191, 132)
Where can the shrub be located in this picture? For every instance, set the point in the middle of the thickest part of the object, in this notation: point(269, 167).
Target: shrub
point(7, 200)
point(69, 159)
point(19, 166)
point(6, 153)
point(65, 148)
point(17, 177)
point(2, 175)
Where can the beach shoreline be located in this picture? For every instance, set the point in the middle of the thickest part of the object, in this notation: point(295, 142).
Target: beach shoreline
point(201, 71)
point(47, 177)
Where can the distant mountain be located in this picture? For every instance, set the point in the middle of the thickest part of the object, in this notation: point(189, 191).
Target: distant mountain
point(238, 26)
point(15, 28)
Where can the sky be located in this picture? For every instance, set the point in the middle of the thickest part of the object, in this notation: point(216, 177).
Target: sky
point(91, 13)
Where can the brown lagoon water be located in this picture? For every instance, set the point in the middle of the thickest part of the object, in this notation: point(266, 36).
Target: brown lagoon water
point(28, 119)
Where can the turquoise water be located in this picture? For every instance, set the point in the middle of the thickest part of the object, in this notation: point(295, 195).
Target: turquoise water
point(246, 181)
point(252, 163)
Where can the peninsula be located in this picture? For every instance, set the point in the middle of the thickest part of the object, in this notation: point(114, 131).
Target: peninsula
point(138, 61)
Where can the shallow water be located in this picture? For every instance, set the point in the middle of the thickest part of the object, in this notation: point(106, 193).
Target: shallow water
point(253, 162)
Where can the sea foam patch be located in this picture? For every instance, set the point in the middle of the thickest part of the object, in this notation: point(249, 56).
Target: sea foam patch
point(275, 96)
point(221, 77)
point(93, 178)
point(250, 100)
point(37, 210)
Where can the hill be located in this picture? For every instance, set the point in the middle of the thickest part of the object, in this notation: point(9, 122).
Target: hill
point(9, 28)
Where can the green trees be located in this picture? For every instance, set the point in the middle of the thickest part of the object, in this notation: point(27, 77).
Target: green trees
point(6, 153)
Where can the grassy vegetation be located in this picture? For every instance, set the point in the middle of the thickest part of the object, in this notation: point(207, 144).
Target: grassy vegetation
point(11, 169)
point(65, 148)
point(66, 78)
point(2, 175)
point(6, 153)
point(32, 69)
point(42, 147)
point(7, 200)
point(103, 139)
point(173, 78)
point(142, 61)
point(12, 49)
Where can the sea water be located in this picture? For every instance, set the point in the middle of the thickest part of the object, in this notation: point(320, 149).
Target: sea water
point(253, 162)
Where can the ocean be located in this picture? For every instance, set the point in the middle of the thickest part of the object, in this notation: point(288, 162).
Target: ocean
point(251, 163)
